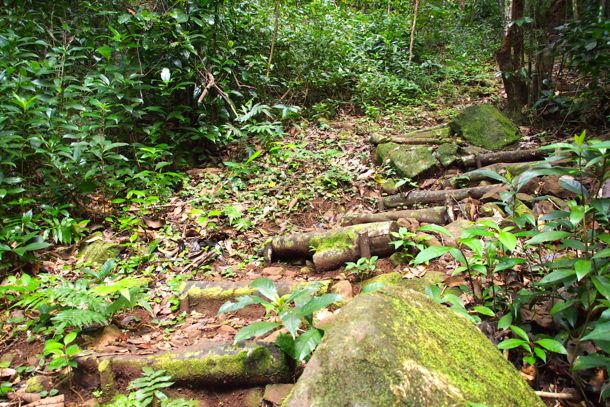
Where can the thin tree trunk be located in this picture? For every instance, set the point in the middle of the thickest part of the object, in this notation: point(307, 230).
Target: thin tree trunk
point(276, 25)
point(412, 39)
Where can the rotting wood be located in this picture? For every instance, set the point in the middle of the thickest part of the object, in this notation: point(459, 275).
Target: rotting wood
point(437, 215)
point(515, 168)
point(364, 244)
point(479, 160)
point(300, 245)
point(430, 197)
point(209, 363)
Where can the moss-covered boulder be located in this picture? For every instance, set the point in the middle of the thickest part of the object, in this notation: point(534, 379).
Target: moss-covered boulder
point(396, 347)
point(208, 363)
point(408, 160)
point(96, 249)
point(485, 126)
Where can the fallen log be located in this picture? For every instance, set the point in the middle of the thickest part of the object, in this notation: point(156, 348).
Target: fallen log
point(475, 176)
point(437, 215)
point(331, 249)
point(479, 160)
point(206, 364)
point(431, 197)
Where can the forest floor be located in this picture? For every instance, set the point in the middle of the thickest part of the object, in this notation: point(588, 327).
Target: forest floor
point(214, 227)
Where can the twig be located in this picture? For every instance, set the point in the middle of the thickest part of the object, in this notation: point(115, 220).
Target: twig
point(558, 396)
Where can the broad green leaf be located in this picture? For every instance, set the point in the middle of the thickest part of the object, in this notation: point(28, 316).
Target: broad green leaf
point(254, 330)
point(591, 361)
point(562, 305)
point(573, 186)
point(520, 332)
point(552, 345)
point(306, 343)
point(508, 240)
point(491, 175)
point(550, 236)
point(435, 228)
point(317, 303)
point(603, 285)
point(484, 310)
point(430, 253)
point(600, 332)
point(602, 254)
point(505, 321)
point(266, 287)
point(291, 320)
point(540, 353)
point(241, 302)
point(582, 268)
point(557, 276)
point(511, 343)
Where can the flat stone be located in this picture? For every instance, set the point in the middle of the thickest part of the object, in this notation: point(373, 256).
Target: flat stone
point(408, 160)
point(344, 289)
point(273, 271)
point(276, 393)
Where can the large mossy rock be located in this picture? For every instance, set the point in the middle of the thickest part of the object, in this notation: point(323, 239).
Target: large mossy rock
point(485, 126)
point(396, 347)
point(409, 161)
point(97, 250)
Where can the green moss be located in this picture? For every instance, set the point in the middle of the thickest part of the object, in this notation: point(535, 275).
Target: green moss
point(408, 161)
point(34, 384)
point(388, 279)
point(252, 362)
point(447, 154)
point(485, 126)
point(107, 383)
point(339, 240)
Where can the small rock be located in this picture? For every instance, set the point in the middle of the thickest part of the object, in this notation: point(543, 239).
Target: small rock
point(273, 271)
point(276, 393)
point(227, 329)
point(253, 397)
point(344, 289)
point(37, 384)
point(306, 270)
point(108, 336)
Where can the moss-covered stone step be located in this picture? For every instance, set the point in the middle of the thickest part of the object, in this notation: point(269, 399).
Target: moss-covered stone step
point(485, 126)
point(396, 347)
point(431, 135)
point(206, 364)
point(412, 161)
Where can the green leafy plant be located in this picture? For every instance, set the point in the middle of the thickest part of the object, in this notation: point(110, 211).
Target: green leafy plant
point(535, 349)
point(62, 352)
point(294, 311)
point(147, 390)
point(362, 268)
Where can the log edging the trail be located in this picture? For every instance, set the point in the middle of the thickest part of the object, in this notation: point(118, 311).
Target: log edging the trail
point(330, 249)
point(417, 197)
point(479, 160)
point(208, 363)
point(437, 215)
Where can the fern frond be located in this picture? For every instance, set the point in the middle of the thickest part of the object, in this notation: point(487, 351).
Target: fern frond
point(78, 318)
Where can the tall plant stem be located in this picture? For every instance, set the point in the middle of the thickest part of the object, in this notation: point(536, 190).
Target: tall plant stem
point(412, 39)
point(276, 25)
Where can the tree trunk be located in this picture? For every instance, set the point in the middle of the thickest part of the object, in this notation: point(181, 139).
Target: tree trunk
point(510, 59)
point(412, 39)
